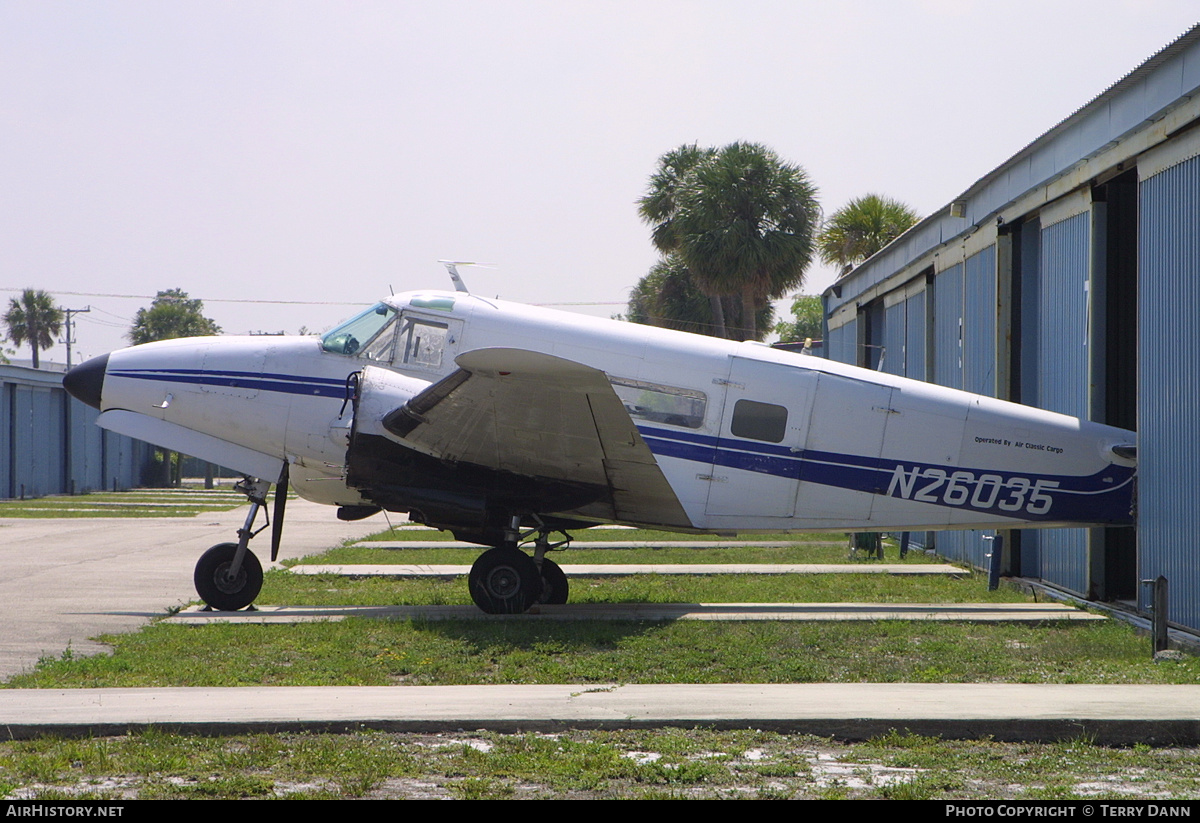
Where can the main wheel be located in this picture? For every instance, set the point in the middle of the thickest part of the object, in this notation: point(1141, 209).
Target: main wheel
point(504, 581)
point(213, 583)
point(554, 583)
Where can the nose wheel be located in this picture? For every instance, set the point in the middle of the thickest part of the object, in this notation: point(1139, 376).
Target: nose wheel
point(228, 576)
point(218, 587)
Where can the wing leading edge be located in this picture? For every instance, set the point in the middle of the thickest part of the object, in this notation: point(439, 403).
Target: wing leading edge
point(540, 416)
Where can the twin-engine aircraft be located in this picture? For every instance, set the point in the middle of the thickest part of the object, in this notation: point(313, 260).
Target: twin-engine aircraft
point(508, 424)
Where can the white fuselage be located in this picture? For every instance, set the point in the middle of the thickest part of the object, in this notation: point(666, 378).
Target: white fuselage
point(748, 437)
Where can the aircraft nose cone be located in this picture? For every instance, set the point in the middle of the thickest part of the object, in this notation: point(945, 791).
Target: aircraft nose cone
point(85, 382)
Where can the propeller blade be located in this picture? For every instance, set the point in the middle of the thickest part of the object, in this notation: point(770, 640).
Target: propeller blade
point(281, 490)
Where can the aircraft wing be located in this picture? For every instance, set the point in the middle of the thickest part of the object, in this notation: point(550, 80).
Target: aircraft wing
point(540, 416)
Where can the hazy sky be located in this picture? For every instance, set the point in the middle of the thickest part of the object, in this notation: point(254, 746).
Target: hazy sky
point(323, 152)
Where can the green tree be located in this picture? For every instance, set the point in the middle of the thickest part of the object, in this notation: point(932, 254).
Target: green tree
point(172, 314)
point(34, 319)
point(660, 205)
point(668, 297)
point(740, 219)
point(861, 228)
point(806, 322)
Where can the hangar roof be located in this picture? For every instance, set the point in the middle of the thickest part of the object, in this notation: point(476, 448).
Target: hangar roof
point(1162, 83)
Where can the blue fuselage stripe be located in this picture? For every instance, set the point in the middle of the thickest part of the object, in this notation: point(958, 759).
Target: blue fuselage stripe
point(249, 381)
point(1101, 497)
point(1094, 498)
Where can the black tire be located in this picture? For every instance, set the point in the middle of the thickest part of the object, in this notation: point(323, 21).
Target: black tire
point(504, 581)
point(227, 595)
point(554, 584)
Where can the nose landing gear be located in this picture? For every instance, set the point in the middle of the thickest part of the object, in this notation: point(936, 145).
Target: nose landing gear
point(228, 576)
point(223, 587)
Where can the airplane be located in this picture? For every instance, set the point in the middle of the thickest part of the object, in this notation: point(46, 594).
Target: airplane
point(508, 424)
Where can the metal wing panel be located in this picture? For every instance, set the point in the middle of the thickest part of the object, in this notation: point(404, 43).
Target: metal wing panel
point(541, 416)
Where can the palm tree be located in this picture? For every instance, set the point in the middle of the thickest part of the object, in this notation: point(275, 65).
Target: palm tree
point(862, 227)
point(739, 219)
point(668, 297)
point(34, 319)
point(746, 226)
point(659, 208)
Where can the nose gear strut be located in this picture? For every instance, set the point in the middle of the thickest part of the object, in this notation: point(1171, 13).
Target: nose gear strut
point(228, 576)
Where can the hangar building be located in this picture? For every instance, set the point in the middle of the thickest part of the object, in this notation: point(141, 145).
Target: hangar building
point(49, 443)
point(1068, 278)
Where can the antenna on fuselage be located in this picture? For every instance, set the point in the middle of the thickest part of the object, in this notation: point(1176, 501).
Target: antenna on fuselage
point(455, 277)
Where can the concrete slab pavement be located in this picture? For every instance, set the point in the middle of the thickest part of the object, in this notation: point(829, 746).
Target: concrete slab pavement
point(65, 581)
point(1113, 715)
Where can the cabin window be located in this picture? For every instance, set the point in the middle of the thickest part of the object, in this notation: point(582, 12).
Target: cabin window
point(359, 331)
point(424, 342)
point(759, 421)
point(661, 404)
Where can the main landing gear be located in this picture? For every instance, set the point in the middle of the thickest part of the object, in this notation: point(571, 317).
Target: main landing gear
point(229, 576)
point(505, 580)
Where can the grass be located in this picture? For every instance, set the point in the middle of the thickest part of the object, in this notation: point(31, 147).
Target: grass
point(134, 503)
point(414, 652)
point(661, 763)
point(381, 653)
point(664, 763)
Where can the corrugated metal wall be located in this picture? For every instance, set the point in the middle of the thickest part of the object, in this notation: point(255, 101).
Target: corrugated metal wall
point(1062, 375)
point(979, 322)
point(948, 367)
point(965, 358)
point(895, 334)
point(914, 346)
point(1063, 316)
point(843, 343)
point(1169, 384)
point(947, 327)
point(1042, 199)
point(49, 443)
point(979, 369)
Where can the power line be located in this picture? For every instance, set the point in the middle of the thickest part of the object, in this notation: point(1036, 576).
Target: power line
point(204, 299)
point(278, 302)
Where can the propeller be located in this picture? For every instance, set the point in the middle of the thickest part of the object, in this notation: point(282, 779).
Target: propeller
point(281, 490)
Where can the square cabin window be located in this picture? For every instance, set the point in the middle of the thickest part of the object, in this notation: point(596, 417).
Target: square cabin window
point(424, 342)
point(759, 421)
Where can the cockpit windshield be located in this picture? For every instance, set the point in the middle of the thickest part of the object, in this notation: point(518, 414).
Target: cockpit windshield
point(359, 331)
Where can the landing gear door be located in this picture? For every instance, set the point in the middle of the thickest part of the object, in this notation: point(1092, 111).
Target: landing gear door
point(763, 429)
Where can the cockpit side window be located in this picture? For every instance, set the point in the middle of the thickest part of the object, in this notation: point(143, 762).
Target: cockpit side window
point(383, 347)
point(657, 403)
point(363, 330)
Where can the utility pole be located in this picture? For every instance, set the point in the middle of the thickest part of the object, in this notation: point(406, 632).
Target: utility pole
point(67, 326)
